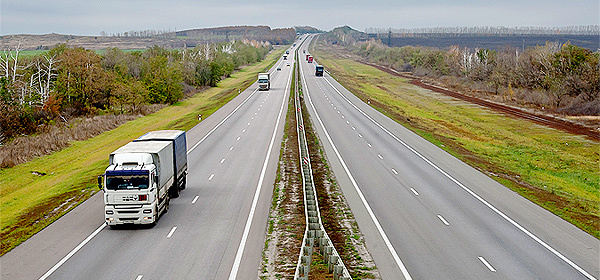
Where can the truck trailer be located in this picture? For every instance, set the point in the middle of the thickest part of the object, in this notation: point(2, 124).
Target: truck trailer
point(139, 179)
point(264, 81)
point(177, 137)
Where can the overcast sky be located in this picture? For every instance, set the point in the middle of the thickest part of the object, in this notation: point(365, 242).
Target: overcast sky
point(90, 17)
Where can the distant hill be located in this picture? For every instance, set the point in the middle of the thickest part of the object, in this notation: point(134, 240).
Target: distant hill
point(278, 36)
point(345, 35)
point(179, 39)
point(307, 29)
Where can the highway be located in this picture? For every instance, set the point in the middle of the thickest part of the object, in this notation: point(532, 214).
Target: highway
point(214, 230)
point(426, 214)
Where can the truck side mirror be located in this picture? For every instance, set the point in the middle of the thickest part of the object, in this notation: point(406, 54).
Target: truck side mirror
point(155, 180)
point(100, 181)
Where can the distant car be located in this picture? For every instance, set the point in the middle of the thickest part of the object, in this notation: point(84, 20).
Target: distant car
point(278, 68)
point(288, 65)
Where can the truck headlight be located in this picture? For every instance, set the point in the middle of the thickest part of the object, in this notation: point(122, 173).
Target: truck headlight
point(109, 212)
point(147, 211)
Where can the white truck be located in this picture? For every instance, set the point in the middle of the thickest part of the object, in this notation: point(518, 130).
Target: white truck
point(264, 81)
point(141, 178)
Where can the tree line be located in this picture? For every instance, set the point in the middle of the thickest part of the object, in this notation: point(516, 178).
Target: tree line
point(71, 81)
point(564, 77)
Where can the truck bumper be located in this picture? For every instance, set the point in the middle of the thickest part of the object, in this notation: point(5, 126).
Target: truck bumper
point(129, 214)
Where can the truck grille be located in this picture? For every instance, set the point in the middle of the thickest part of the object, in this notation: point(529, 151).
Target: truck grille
point(128, 219)
point(128, 211)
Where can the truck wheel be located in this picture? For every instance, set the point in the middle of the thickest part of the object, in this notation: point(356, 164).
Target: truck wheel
point(174, 192)
point(167, 205)
point(184, 183)
point(155, 216)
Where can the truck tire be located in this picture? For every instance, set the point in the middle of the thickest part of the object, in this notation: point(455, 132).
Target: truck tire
point(174, 191)
point(183, 183)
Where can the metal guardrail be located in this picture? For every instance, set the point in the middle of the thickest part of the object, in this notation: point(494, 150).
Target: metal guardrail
point(315, 238)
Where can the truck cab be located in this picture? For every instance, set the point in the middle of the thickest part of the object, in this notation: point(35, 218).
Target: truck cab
point(264, 82)
point(318, 70)
point(136, 183)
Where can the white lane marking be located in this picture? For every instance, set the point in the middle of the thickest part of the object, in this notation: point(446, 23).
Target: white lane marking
point(243, 131)
point(380, 156)
point(238, 139)
point(353, 128)
point(489, 266)
point(347, 122)
point(248, 123)
point(394, 171)
point(386, 240)
point(220, 123)
point(414, 191)
point(369, 144)
point(443, 220)
point(171, 232)
point(476, 196)
point(231, 148)
point(93, 234)
point(195, 199)
point(240, 251)
point(343, 117)
point(70, 254)
point(360, 135)
point(222, 160)
point(211, 176)
point(139, 277)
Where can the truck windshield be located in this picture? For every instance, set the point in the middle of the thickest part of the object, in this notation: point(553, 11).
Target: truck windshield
point(126, 182)
point(263, 81)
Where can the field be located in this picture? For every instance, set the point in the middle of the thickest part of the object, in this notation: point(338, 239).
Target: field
point(444, 41)
point(554, 169)
point(36, 193)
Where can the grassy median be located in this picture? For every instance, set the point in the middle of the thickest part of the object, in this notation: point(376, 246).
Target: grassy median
point(554, 169)
point(36, 193)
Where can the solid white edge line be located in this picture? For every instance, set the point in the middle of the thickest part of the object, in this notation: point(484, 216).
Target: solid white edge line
point(487, 264)
point(220, 123)
point(171, 232)
point(386, 240)
point(70, 254)
point(511, 221)
point(211, 176)
point(240, 251)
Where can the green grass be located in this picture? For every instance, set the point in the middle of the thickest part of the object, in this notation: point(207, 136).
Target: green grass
point(555, 169)
point(29, 202)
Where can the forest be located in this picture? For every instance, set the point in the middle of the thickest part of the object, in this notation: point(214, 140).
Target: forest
point(564, 78)
point(67, 82)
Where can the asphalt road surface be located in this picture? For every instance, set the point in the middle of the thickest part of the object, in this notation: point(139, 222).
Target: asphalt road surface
point(427, 215)
point(214, 230)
